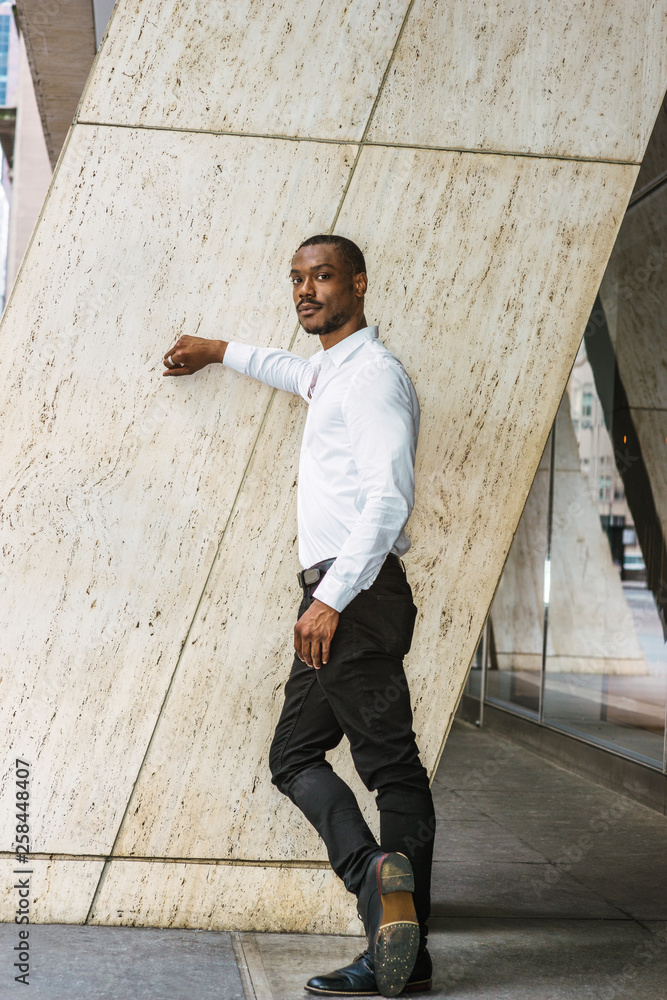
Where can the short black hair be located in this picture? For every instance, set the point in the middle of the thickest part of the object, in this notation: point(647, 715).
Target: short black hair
point(348, 251)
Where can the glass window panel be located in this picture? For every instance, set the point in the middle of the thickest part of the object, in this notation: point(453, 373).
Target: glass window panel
point(516, 632)
point(606, 669)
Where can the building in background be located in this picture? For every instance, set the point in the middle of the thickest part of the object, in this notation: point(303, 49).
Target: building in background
point(7, 50)
point(9, 65)
point(46, 52)
point(31, 172)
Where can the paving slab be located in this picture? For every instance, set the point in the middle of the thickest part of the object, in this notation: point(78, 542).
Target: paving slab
point(637, 885)
point(71, 962)
point(485, 889)
point(490, 959)
point(463, 841)
point(279, 965)
point(451, 805)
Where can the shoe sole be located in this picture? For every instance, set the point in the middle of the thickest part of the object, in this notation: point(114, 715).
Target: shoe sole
point(338, 993)
point(397, 941)
point(420, 987)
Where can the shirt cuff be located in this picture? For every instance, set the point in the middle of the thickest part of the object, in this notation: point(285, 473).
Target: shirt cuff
point(334, 593)
point(237, 356)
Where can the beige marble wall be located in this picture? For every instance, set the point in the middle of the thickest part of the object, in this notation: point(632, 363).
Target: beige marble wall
point(237, 897)
point(148, 525)
point(60, 891)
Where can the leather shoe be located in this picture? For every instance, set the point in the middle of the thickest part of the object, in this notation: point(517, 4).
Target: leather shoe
point(387, 909)
point(358, 978)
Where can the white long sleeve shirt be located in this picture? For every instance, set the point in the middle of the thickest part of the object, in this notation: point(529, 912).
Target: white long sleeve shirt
point(356, 468)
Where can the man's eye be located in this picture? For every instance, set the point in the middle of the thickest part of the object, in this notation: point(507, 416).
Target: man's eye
point(323, 275)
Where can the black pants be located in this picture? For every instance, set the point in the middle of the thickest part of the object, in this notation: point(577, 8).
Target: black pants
point(362, 693)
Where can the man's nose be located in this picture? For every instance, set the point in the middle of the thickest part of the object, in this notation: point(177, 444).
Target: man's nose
point(307, 288)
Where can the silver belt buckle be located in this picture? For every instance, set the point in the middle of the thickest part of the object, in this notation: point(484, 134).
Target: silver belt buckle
point(311, 576)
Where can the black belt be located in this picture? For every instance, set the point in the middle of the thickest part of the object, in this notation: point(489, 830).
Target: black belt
point(309, 577)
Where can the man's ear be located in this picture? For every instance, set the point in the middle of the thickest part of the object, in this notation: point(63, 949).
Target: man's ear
point(360, 284)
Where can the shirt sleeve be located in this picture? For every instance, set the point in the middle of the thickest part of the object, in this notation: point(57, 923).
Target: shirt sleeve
point(381, 413)
point(281, 369)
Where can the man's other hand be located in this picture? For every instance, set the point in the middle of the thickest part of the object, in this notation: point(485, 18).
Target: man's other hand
point(189, 354)
point(313, 633)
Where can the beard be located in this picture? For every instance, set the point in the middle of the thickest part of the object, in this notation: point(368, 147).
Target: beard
point(329, 325)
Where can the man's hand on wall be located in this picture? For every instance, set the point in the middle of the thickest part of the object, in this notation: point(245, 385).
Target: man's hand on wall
point(189, 354)
point(313, 633)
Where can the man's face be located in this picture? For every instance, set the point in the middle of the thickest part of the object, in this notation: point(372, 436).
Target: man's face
point(326, 294)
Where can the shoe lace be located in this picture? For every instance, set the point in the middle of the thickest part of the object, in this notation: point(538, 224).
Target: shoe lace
point(367, 956)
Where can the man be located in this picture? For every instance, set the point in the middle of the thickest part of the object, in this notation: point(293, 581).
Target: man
point(356, 619)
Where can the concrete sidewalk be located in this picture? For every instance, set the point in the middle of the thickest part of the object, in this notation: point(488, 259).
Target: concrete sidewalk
point(546, 886)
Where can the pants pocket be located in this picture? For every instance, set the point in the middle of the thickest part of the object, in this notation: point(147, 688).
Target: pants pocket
point(384, 624)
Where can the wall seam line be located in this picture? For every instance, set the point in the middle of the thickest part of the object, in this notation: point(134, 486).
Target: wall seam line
point(362, 141)
point(156, 859)
point(366, 142)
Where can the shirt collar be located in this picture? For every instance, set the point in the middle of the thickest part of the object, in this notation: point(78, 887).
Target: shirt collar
point(344, 348)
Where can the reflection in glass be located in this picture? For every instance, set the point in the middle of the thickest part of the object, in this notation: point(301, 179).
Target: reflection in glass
point(603, 621)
